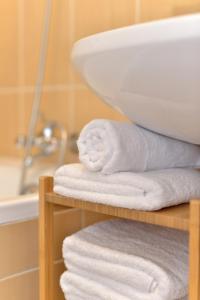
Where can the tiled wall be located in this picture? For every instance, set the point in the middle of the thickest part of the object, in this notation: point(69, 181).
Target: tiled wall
point(19, 253)
point(65, 96)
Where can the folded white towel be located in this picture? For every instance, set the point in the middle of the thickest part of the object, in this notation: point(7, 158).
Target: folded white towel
point(76, 287)
point(110, 146)
point(145, 191)
point(71, 291)
point(121, 259)
point(88, 289)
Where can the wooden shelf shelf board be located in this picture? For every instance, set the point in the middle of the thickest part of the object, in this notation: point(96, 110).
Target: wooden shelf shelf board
point(174, 217)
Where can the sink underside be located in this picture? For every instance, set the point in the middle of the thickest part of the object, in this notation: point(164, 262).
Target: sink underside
point(150, 72)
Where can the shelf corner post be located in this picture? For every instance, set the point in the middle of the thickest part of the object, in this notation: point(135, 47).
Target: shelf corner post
point(46, 257)
point(194, 251)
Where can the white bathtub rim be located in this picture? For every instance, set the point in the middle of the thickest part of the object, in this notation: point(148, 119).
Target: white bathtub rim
point(18, 209)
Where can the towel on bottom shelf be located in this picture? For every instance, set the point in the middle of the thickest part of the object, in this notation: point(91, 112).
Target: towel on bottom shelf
point(75, 291)
point(124, 260)
point(151, 190)
point(110, 146)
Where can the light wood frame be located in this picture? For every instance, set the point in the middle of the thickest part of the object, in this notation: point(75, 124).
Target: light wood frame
point(185, 217)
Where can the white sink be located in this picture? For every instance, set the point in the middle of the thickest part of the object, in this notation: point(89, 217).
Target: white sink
point(150, 72)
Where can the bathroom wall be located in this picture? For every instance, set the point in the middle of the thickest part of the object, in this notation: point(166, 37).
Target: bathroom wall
point(65, 97)
point(19, 268)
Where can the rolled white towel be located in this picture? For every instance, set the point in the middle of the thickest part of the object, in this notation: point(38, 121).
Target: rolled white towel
point(129, 259)
point(151, 190)
point(111, 146)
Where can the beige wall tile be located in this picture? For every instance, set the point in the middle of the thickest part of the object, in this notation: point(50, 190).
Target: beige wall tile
point(54, 106)
point(32, 19)
point(19, 242)
point(20, 288)
point(58, 59)
point(186, 7)
point(88, 107)
point(8, 43)
point(9, 124)
point(25, 286)
point(19, 247)
point(92, 16)
point(14, 120)
point(59, 46)
point(155, 9)
point(158, 9)
point(26, 107)
point(57, 68)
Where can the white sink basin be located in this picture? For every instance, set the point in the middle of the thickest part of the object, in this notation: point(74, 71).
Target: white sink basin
point(150, 72)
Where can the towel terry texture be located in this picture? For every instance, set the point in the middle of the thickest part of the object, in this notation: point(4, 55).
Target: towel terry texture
point(151, 190)
point(111, 146)
point(124, 260)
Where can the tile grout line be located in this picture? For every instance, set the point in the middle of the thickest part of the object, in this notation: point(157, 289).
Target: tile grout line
point(137, 11)
point(21, 65)
point(71, 36)
point(46, 88)
point(19, 274)
point(26, 272)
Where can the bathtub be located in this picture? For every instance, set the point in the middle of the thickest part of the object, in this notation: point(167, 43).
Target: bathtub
point(12, 206)
point(19, 271)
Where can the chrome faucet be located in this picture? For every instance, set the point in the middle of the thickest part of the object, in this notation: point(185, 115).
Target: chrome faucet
point(51, 139)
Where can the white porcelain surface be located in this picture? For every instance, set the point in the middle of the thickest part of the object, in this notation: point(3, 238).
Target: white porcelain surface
point(150, 72)
point(12, 207)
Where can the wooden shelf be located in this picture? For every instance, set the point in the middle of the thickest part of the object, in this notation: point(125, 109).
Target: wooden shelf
point(174, 217)
point(184, 217)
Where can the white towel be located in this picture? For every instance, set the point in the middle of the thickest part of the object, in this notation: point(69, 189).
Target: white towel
point(111, 146)
point(123, 260)
point(144, 191)
point(83, 288)
point(71, 291)
point(76, 287)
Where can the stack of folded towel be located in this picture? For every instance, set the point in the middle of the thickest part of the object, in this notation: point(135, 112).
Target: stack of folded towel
point(125, 260)
point(125, 165)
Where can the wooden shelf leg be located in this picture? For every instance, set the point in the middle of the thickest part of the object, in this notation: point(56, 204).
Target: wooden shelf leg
point(194, 251)
point(46, 257)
